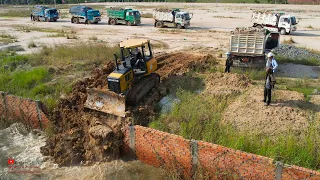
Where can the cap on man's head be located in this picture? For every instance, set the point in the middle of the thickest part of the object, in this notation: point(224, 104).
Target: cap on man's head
point(270, 54)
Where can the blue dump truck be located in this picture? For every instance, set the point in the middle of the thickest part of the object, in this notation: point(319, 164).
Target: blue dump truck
point(43, 13)
point(84, 14)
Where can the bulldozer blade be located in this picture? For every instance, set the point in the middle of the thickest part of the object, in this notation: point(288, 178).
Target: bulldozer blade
point(106, 101)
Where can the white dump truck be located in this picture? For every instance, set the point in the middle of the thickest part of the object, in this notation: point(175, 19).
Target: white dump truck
point(249, 46)
point(171, 18)
point(276, 22)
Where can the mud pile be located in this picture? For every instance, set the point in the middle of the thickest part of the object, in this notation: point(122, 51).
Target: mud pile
point(226, 84)
point(82, 136)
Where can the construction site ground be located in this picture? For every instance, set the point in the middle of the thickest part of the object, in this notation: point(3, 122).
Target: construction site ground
point(187, 58)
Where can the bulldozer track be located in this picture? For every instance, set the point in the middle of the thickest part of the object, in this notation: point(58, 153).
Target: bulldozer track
point(141, 88)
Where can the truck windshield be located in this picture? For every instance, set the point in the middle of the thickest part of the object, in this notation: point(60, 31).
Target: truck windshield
point(186, 16)
point(53, 12)
point(96, 13)
point(136, 14)
point(293, 20)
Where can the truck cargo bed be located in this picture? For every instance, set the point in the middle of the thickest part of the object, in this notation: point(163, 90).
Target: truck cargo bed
point(247, 44)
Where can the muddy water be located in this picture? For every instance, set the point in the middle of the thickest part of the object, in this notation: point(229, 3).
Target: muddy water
point(23, 147)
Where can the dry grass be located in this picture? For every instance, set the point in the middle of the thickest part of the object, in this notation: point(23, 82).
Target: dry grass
point(288, 41)
point(146, 15)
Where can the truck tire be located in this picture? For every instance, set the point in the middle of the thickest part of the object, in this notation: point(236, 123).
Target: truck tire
point(33, 18)
point(38, 18)
point(96, 22)
point(259, 27)
point(129, 23)
point(72, 20)
point(283, 31)
point(159, 24)
point(47, 19)
point(55, 20)
point(179, 26)
point(113, 22)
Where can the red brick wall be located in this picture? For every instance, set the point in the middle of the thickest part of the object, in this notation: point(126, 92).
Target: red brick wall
point(163, 149)
point(22, 109)
point(173, 152)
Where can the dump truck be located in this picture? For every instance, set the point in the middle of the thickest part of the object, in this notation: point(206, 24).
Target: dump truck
point(276, 22)
point(43, 13)
point(130, 81)
point(123, 16)
point(249, 46)
point(84, 14)
point(171, 18)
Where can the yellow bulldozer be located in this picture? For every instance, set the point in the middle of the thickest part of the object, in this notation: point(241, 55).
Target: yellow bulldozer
point(132, 79)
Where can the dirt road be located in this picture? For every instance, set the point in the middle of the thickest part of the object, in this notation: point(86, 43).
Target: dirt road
point(210, 27)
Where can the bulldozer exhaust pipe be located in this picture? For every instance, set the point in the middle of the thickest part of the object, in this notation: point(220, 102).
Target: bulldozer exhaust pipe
point(116, 58)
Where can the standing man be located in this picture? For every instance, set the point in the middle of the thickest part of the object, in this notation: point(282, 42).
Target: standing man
point(229, 62)
point(271, 62)
point(267, 87)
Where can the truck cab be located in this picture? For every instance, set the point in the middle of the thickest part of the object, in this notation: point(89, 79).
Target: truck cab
point(182, 19)
point(133, 16)
point(51, 14)
point(93, 16)
point(287, 24)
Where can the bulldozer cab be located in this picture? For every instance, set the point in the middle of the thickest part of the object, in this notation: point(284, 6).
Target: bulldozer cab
point(137, 53)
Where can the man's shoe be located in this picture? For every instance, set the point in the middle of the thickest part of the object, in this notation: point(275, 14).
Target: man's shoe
point(266, 104)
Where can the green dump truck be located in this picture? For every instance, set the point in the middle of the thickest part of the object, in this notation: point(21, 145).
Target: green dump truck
point(123, 16)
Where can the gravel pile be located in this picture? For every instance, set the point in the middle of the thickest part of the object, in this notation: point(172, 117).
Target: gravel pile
point(292, 52)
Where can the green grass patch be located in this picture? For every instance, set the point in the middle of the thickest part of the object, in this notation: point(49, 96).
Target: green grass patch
point(304, 86)
point(198, 117)
point(252, 73)
point(308, 62)
point(45, 75)
point(15, 13)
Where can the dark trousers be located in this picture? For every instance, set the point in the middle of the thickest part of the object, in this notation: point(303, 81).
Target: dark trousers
point(227, 68)
point(267, 95)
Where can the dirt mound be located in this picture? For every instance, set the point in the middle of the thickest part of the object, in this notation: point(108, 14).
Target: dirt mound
point(180, 63)
point(248, 113)
point(80, 135)
point(226, 84)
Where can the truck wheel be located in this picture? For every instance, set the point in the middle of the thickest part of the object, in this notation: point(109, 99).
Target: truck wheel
point(113, 22)
point(33, 18)
point(55, 20)
point(179, 26)
point(38, 18)
point(96, 22)
point(159, 24)
point(259, 27)
point(47, 19)
point(72, 19)
point(129, 23)
point(282, 31)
